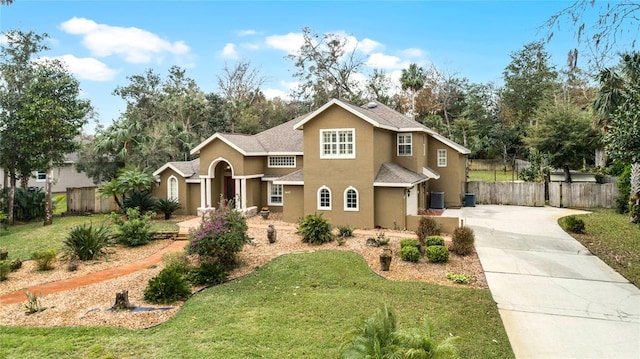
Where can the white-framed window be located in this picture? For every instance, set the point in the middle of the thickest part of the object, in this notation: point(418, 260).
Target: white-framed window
point(338, 143)
point(442, 158)
point(282, 162)
point(404, 144)
point(172, 188)
point(41, 176)
point(275, 194)
point(351, 199)
point(324, 198)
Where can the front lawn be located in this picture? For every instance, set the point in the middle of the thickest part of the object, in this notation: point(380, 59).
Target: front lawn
point(613, 239)
point(493, 176)
point(297, 306)
point(23, 239)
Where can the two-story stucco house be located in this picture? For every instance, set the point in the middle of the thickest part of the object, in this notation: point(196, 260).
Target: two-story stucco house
point(362, 166)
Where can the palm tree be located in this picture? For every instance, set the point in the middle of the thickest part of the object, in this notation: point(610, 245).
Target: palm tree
point(618, 103)
point(420, 344)
point(413, 79)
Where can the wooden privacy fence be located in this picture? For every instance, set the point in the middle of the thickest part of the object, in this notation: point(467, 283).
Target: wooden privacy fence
point(87, 199)
point(514, 193)
point(569, 195)
point(582, 195)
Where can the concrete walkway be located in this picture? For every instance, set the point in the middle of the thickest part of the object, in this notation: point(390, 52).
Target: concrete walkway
point(556, 300)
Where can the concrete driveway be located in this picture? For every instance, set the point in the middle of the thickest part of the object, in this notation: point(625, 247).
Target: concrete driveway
point(556, 300)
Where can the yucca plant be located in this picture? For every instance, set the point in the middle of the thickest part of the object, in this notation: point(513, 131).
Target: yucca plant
point(167, 206)
point(142, 200)
point(87, 242)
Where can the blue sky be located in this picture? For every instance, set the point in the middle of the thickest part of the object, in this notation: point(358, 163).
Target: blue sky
point(103, 42)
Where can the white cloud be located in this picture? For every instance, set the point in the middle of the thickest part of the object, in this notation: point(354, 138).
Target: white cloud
point(133, 44)
point(290, 42)
point(3, 39)
point(368, 46)
point(250, 46)
point(413, 53)
point(87, 68)
point(229, 51)
point(246, 32)
point(272, 93)
point(388, 62)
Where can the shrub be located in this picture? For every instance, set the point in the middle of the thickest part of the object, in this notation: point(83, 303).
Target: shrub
point(437, 254)
point(208, 274)
point(29, 204)
point(427, 227)
point(141, 200)
point(167, 206)
point(177, 259)
point(315, 229)
point(15, 264)
point(220, 236)
point(4, 254)
point(134, 230)
point(624, 190)
point(33, 303)
point(410, 254)
point(460, 278)
point(574, 224)
point(169, 286)
point(45, 259)
point(345, 231)
point(87, 242)
point(5, 269)
point(434, 241)
point(462, 241)
point(409, 242)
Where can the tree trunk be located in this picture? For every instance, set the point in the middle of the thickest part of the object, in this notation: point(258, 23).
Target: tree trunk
point(48, 205)
point(11, 200)
point(567, 174)
point(122, 301)
point(635, 193)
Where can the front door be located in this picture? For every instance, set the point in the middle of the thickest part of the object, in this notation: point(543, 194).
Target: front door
point(229, 189)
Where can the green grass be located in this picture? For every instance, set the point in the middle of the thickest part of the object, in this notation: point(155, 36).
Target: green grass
point(492, 176)
point(298, 306)
point(613, 239)
point(60, 201)
point(21, 240)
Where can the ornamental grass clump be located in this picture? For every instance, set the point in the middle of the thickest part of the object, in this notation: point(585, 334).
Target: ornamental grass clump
point(220, 237)
point(462, 241)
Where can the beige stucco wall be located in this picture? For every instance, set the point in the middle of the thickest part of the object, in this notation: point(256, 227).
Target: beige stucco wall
point(339, 174)
point(193, 190)
point(218, 149)
point(160, 190)
point(452, 177)
point(390, 206)
point(294, 199)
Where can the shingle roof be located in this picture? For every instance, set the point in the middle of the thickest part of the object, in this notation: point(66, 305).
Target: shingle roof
point(394, 175)
point(296, 177)
point(186, 169)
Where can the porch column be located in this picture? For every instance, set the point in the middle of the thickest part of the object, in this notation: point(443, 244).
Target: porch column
point(243, 193)
point(208, 195)
point(239, 190)
point(203, 193)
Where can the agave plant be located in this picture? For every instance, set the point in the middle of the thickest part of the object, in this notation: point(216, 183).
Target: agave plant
point(87, 242)
point(142, 200)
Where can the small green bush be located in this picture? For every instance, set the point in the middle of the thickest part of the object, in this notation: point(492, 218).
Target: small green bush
point(87, 242)
point(345, 231)
point(177, 259)
point(462, 241)
point(409, 242)
point(437, 254)
point(45, 259)
point(169, 286)
point(208, 274)
point(315, 229)
point(434, 241)
point(4, 254)
point(410, 254)
point(427, 227)
point(133, 230)
point(460, 278)
point(574, 224)
point(5, 269)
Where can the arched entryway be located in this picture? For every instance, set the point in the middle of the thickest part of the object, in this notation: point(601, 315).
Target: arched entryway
point(219, 183)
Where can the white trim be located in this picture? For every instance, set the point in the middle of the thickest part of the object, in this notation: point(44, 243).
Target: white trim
point(259, 175)
point(410, 144)
point(270, 157)
point(430, 173)
point(438, 158)
point(213, 165)
point(276, 153)
point(290, 183)
point(269, 187)
point(320, 208)
point(357, 208)
point(169, 165)
point(193, 180)
point(169, 196)
point(399, 185)
point(458, 148)
point(38, 178)
point(351, 155)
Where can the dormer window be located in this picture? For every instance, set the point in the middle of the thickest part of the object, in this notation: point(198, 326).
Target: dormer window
point(338, 143)
point(404, 144)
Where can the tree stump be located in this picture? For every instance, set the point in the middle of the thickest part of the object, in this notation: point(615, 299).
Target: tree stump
point(271, 233)
point(122, 301)
point(4, 254)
